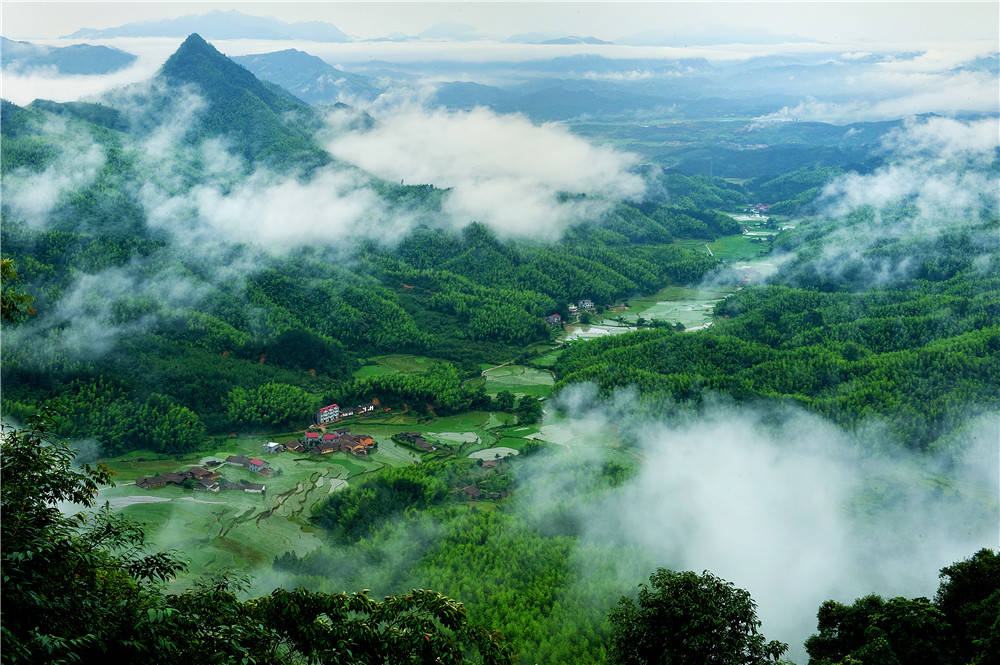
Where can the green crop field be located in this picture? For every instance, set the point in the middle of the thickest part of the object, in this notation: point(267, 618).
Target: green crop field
point(518, 379)
point(396, 363)
point(737, 248)
point(232, 529)
point(687, 305)
point(547, 359)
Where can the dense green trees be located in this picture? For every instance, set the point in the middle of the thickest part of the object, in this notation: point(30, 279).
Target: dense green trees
point(104, 411)
point(14, 304)
point(440, 389)
point(919, 353)
point(529, 410)
point(689, 619)
point(354, 512)
point(83, 588)
point(270, 405)
point(959, 627)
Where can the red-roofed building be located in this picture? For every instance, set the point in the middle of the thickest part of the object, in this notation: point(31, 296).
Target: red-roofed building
point(258, 465)
point(328, 414)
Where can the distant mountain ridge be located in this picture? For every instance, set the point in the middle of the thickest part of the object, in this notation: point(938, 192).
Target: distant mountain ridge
point(220, 25)
point(308, 77)
point(79, 59)
point(541, 38)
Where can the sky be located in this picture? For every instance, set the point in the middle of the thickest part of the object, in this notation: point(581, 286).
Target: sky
point(828, 21)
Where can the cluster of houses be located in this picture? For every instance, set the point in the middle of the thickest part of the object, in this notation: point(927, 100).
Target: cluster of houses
point(200, 478)
point(584, 305)
point(332, 412)
point(340, 440)
point(250, 464)
point(757, 210)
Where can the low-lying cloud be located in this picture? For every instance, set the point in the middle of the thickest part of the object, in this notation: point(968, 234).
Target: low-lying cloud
point(77, 158)
point(501, 170)
point(938, 175)
point(786, 505)
point(890, 94)
point(943, 166)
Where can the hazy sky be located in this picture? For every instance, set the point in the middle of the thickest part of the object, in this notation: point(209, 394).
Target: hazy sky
point(827, 21)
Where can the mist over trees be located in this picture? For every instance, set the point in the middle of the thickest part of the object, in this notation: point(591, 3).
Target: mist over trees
point(205, 254)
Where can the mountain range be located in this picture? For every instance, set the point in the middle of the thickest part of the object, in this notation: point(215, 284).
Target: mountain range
point(220, 25)
point(17, 56)
point(308, 77)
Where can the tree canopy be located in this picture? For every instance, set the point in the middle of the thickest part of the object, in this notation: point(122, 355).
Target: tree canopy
point(82, 588)
point(683, 618)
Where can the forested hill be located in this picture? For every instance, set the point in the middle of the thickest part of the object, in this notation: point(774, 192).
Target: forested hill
point(921, 353)
point(308, 77)
point(263, 120)
point(150, 319)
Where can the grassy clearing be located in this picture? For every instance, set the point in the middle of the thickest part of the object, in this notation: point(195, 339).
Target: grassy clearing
point(737, 248)
point(547, 359)
point(518, 379)
point(515, 443)
point(396, 363)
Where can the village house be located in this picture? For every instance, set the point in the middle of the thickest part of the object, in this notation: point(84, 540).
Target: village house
point(258, 465)
point(201, 473)
point(150, 483)
point(238, 460)
point(204, 479)
point(572, 310)
point(272, 447)
point(338, 440)
point(357, 445)
point(328, 414)
point(174, 478)
point(333, 412)
point(328, 444)
point(586, 303)
point(553, 319)
point(294, 446)
point(207, 485)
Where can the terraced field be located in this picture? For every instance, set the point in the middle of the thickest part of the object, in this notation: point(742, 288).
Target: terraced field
point(232, 529)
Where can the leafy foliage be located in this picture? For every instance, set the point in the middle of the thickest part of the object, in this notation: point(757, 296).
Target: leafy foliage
point(689, 619)
point(919, 353)
point(959, 627)
point(82, 588)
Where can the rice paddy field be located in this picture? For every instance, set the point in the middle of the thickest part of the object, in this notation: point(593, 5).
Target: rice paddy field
point(239, 531)
point(548, 358)
point(690, 306)
point(728, 248)
point(517, 379)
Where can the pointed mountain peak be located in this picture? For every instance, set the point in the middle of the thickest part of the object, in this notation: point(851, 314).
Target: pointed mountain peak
point(194, 41)
point(195, 52)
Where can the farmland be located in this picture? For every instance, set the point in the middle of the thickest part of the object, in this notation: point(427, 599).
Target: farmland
point(517, 379)
point(238, 530)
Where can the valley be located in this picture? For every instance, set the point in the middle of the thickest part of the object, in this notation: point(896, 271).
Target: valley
point(435, 347)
